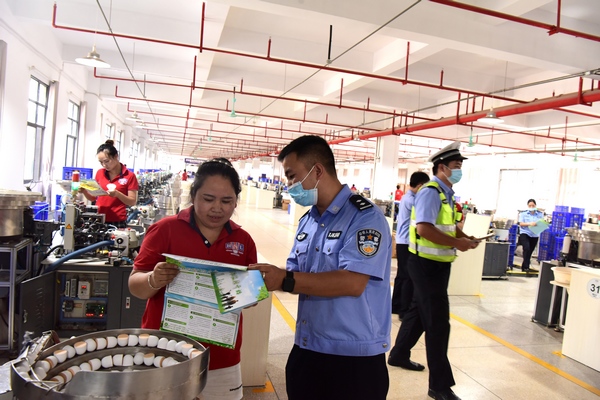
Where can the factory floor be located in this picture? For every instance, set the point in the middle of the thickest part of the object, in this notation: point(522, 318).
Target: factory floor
point(496, 351)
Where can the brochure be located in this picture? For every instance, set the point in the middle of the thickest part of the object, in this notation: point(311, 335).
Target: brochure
point(539, 227)
point(92, 187)
point(206, 298)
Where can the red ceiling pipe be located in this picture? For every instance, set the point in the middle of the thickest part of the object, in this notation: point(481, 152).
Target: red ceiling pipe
point(273, 59)
point(537, 105)
point(241, 112)
point(291, 62)
point(551, 29)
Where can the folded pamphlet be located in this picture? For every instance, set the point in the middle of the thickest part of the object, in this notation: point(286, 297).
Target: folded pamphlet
point(206, 298)
point(539, 227)
point(92, 187)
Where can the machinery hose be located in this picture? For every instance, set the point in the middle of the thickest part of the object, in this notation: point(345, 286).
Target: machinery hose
point(76, 253)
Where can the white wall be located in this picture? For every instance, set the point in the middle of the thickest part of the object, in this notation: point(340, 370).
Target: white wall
point(33, 52)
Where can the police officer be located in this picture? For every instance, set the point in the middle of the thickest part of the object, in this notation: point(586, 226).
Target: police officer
point(527, 238)
point(403, 287)
point(434, 239)
point(340, 268)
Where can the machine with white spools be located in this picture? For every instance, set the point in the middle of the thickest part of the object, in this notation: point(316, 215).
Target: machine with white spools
point(120, 364)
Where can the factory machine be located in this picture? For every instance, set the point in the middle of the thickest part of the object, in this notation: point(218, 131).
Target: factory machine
point(76, 286)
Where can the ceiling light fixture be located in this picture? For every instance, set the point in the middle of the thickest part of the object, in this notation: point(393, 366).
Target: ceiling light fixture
point(491, 118)
point(134, 117)
point(93, 60)
point(593, 74)
point(233, 114)
point(471, 144)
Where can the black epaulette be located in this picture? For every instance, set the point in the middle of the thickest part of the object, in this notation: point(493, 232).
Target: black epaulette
point(304, 215)
point(360, 202)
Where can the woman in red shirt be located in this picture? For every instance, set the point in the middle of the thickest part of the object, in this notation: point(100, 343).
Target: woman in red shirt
point(123, 188)
point(203, 231)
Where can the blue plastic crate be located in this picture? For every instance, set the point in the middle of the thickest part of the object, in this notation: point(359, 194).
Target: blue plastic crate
point(575, 210)
point(564, 209)
point(84, 173)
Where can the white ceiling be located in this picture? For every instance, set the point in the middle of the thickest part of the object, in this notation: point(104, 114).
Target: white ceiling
point(469, 52)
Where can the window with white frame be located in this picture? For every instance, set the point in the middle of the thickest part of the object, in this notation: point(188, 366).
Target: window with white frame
point(72, 134)
point(118, 141)
point(109, 131)
point(36, 123)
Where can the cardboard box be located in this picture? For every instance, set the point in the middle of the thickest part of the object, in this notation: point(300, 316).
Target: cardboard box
point(285, 204)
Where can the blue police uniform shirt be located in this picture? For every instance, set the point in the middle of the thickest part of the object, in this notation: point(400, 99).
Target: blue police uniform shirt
point(345, 238)
point(527, 216)
point(403, 221)
point(428, 203)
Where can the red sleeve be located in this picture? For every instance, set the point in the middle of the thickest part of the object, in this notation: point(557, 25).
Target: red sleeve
point(133, 182)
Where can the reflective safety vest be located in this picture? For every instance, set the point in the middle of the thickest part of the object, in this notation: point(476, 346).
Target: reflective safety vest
point(445, 222)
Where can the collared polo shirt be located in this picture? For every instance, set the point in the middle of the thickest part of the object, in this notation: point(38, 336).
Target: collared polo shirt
point(114, 209)
point(345, 238)
point(403, 220)
point(179, 235)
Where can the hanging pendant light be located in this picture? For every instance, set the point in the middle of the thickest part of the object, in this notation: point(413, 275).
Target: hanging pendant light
point(491, 118)
point(93, 60)
point(471, 144)
point(134, 117)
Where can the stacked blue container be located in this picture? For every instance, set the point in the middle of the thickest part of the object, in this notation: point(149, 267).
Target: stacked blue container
point(84, 173)
point(545, 245)
point(578, 217)
point(513, 233)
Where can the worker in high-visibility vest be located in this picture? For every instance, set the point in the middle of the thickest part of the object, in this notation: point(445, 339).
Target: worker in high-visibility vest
point(433, 241)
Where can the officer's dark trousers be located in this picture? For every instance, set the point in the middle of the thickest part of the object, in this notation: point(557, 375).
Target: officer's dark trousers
point(430, 312)
point(528, 244)
point(403, 286)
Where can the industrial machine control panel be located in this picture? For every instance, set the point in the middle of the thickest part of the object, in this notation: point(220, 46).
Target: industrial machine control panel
point(83, 300)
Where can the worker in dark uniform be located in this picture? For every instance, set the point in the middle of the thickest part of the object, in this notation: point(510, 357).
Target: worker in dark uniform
point(340, 268)
point(433, 241)
point(403, 287)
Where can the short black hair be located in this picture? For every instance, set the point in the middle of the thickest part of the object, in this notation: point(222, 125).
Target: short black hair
point(418, 178)
point(216, 166)
point(436, 165)
point(531, 200)
point(311, 149)
point(108, 148)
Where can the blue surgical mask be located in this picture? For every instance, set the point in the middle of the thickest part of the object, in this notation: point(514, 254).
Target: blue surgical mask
point(455, 176)
point(533, 209)
point(303, 196)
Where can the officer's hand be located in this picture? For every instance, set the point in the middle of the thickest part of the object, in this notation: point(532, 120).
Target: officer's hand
point(533, 223)
point(272, 275)
point(465, 244)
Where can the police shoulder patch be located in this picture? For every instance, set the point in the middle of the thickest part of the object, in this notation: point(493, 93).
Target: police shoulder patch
point(368, 242)
point(360, 202)
point(301, 236)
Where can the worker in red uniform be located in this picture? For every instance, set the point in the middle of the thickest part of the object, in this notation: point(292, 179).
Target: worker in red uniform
point(202, 231)
point(121, 186)
point(398, 194)
point(184, 175)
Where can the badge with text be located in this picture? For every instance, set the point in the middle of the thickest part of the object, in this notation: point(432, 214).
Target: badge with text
point(368, 241)
point(334, 234)
point(593, 288)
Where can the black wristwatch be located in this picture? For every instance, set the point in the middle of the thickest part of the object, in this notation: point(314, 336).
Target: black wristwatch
point(288, 282)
